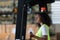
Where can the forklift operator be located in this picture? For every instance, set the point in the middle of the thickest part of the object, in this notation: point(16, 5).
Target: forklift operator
point(44, 22)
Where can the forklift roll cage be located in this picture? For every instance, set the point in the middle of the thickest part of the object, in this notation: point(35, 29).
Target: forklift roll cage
point(22, 17)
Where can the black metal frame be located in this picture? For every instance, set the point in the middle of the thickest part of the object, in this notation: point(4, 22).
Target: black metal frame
point(21, 20)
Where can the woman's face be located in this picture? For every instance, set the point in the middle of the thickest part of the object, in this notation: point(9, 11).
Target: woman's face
point(37, 18)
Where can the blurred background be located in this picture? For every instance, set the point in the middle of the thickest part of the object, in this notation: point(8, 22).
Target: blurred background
point(8, 16)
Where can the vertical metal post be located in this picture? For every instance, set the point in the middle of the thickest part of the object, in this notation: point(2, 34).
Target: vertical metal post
point(24, 22)
point(21, 21)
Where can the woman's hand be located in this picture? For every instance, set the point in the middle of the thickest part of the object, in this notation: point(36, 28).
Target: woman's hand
point(31, 34)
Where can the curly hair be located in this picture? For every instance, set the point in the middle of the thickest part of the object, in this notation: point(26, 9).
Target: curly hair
point(45, 18)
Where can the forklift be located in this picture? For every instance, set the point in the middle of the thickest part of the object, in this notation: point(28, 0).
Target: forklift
point(22, 15)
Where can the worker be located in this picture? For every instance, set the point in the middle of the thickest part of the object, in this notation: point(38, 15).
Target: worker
point(44, 22)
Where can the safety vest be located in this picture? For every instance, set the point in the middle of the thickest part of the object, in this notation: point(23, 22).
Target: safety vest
point(39, 33)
